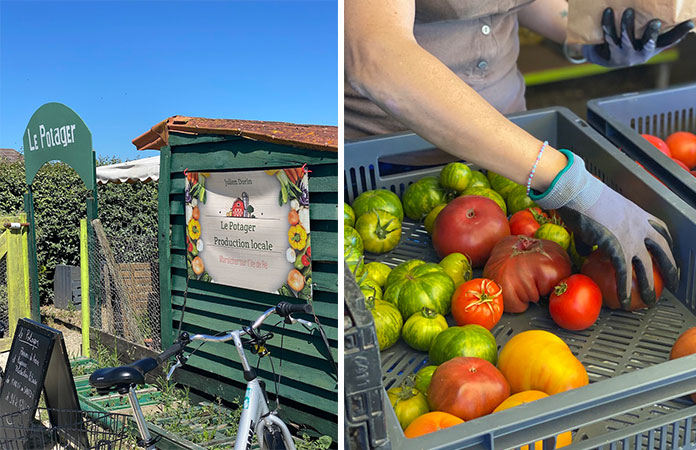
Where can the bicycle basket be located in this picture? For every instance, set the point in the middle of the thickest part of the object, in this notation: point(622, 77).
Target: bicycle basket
point(76, 430)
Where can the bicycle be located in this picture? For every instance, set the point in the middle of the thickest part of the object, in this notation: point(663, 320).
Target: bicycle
point(256, 417)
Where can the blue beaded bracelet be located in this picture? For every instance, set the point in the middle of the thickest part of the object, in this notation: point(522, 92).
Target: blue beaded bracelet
point(531, 174)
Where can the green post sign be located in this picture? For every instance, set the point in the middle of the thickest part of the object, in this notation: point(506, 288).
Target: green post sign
point(56, 133)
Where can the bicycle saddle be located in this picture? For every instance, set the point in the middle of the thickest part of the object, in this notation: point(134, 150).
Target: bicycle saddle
point(120, 379)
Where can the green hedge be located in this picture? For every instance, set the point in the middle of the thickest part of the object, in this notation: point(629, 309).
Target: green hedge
point(127, 211)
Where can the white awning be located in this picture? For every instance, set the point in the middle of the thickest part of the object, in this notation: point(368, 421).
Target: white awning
point(142, 170)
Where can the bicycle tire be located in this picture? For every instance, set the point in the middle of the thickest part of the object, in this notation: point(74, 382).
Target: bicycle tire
point(273, 438)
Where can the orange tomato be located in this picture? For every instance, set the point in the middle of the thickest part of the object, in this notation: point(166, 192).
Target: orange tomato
point(295, 280)
point(523, 397)
point(197, 265)
point(293, 217)
point(429, 422)
point(196, 213)
point(685, 345)
point(682, 144)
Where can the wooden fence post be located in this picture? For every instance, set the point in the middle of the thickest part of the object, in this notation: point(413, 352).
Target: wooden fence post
point(84, 286)
point(18, 304)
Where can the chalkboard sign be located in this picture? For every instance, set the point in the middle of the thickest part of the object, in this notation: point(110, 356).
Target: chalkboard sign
point(39, 360)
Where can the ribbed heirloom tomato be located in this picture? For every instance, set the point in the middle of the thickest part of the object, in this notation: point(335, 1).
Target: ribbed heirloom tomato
point(479, 301)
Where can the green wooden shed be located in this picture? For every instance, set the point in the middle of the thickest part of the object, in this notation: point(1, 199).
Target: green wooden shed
point(308, 387)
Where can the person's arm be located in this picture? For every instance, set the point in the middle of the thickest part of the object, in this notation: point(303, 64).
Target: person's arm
point(384, 62)
point(548, 18)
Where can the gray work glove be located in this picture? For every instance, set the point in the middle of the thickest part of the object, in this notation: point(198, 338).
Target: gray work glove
point(627, 49)
point(618, 226)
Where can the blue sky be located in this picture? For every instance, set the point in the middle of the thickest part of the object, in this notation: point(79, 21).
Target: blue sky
point(124, 66)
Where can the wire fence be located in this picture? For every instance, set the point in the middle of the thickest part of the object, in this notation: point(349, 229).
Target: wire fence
point(3, 291)
point(124, 286)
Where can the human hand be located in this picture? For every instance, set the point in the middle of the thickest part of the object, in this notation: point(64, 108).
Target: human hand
point(627, 49)
point(624, 231)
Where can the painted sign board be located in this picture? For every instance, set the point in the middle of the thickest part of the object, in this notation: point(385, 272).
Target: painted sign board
point(250, 229)
point(56, 133)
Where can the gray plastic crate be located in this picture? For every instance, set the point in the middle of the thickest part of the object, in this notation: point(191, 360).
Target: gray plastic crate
point(623, 118)
point(635, 398)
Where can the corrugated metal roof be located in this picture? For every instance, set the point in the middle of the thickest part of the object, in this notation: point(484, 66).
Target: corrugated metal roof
point(10, 155)
point(314, 137)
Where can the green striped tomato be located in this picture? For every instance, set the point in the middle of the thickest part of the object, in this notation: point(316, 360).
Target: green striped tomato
point(423, 377)
point(429, 221)
point(355, 261)
point(458, 267)
point(388, 322)
point(379, 230)
point(348, 215)
point(408, 403)
point(455, 176)
point(469, 340)
point(478, 179)
point(378, 272)
point(351, 238)
point(416, 284)
point(486, 192)
point(370, 288)
point(519, 200)
point(422, 196)
point(420, 329)
point(503, 186)
point(378, 199)
point(555, 233)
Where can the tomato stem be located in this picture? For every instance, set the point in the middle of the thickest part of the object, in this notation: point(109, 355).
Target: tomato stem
point(428, 313)
point(560, 288)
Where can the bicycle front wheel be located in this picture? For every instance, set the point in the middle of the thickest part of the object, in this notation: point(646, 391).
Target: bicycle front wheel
point(273, 438)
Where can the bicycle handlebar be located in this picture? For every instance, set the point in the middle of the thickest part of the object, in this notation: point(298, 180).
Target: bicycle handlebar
point(284, 309)
point(174, 349)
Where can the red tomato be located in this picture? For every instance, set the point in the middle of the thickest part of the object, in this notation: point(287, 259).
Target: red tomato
point(693, 172)
point(681, 164)
point(471, 225)
point(682, 144)
point(659, 143)
point(467, 388)
point(526, 268)
point(575, 302)
point(478, 301)
point(527, 221)
point(598, 267)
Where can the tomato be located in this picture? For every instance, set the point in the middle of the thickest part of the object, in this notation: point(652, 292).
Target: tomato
point(348, 215)
point(598, 266)
point(467, 387)
point(526, 268)
point(379, 230)
point(421, 328)
point(458, 267)
point(487, 192)
point(541, 361)
point(370, 288)
point(408, 403)
point(467, 340)
point(354, 259)
point(388, 322)
point(430, 422)
point(684, 345)
point(381, 199)
point(296, 280)
point(659, 143)
point(422, 196)
point(196, 213)
point(518, 200)
point(423, 377)
point(523, 398)
point(679, 163)
point(503, 186)
point(415, 284)
point(575, 302)
point(197, 265)
point(555, 233)
point(470, 225)
point(378, 272)
point(478, 179)
point(429, 221)
point(526, 222)
point(682, 145)
point(351, 238)
point(479, 301)
point(455, 176)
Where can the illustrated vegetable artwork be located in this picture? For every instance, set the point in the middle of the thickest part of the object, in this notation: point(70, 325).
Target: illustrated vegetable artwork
point(467, 388)
point(408, 403)
point(415, 284)
point(540, 360)
point(421, 328)
point(527, 269)
point(471, 225)
point(378, 199)
point(422, 196)
point(478, 301)
point(297, 237)
point(388, 322)
point(194, 229)
point(431, 422)
point(379, 230)
point(467, 340)
point(524, 397)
